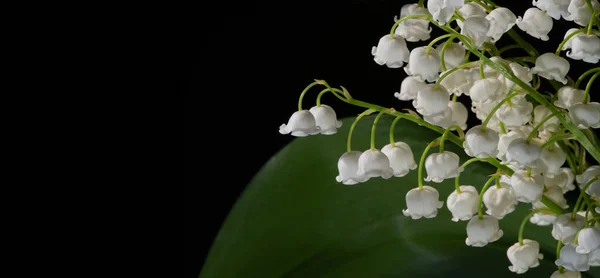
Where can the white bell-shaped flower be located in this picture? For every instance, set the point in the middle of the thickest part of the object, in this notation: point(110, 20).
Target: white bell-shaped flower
point(480, 232)
point(586, 48)
point(481, 143)
point(442, 10)
point(521, 72)
point(567, 45)
point(348, 169)
point(501, 20)
point(585, 177)
point(528, 189)
point(401, 158)
point(568, 96)
point(571, 260)
point(431, 100)
point(565, 274)
point(391, 51)
point(422, 203)
point(563, 179)
point(500, 201)
point(409, 88)
point(459, 114)
point(424, 65)
point(555, 194)
point(588, 240)
point(504, 141)
point(443, 119)
point(551, 67)
point(565, 228)
point(585, 115)
point(594, 259)
point(523, 154)
point(553, 8)
point(326, 119)
point(523, 257)
point(536, 23)
point(463, 205)
point(441, 166)
point(551, 160)
point(413, 30)
point(302, 123)
point(456, 82)
point(468, 10)
point(580, 13)
point(487, 90)
point(476, 28)
point(515, 113)
point(542, 219)
point(540, 112)
point(483, 109)
point(373, 163)
point(454, 54)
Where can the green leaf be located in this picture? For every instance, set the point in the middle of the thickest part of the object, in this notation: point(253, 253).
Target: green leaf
point(295, 220)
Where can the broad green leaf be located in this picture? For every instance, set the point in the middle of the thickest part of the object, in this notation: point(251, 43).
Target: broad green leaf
point(295, 220)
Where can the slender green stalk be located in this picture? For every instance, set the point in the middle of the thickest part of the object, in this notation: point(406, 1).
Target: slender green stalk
point(322, 93)
point(422, 162)
point(446, 135)
point(493, 111)
point(457, 179)
point(349, 143)
point(393, 30)
point(552, 140)
point(465, 65)
point(480, 203)
point(581, 193)
point(392, 141)
point(430, 45)
point(535, 129)
point(558, 247)
point(584, 75)
point(502, 127)
point(443, 54)
point(562, 44)
point(589, 86)
point(529, 215)
point(509, 47)
point(373, 129)
point(303, 93)
point(556, 209)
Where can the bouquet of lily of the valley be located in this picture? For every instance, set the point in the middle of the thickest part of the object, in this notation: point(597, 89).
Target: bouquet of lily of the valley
point(539, 142)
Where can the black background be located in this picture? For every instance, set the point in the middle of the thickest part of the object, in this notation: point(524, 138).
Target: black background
point(255, 59)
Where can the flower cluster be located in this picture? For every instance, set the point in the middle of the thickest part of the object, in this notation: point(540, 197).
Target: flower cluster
point(537, 141)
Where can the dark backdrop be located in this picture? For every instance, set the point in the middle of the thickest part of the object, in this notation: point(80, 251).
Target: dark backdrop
point(245, 78)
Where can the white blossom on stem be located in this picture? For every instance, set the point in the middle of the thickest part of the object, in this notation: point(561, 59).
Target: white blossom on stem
point(391, 51)
point(422, 203)
point(536, 23)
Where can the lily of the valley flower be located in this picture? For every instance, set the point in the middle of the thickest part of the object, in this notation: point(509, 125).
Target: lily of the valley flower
point(585, 115)
point(424, 65)
point(422, 203)
point(456, 82)
point(374, 164)
point(515, 113)
point(571, 260)
point(481, 143)
point(588, 240)
point(554, 8)
point(301, 123)
point(413, 30)
point(505, 139)
point(401, 158)
point(579, 11)
point(459, 114)
point(565, 228)
point(431, 100)
point(522, 153)
point(463, 205)
point(441, 166)
point(551, 67)
point(501, 20)
point(469, 10)
point(528, 188)
point(391, 51)
point(564, 180)
point(409, 88)
point(536, 23)
point(551, 160)
point(585, 177)
point(454, 54)
point(568, 96)
point(442, 10)
point(540, 112)
point(326, 119)
point(500, 201)
point(585, 47)
point(348, 169)
point(476, 28)
point(480, 232)
point(523, 257)
point(487, 90)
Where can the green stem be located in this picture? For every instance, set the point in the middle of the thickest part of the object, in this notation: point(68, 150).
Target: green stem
point(529, 215)
point(538, 126)
point(392, 141)
point(589, 86)
point(446, 44)
point(584, 75)
point(457, 179)
point(560, 46)
point(556, 209)
point(509, 47)
point(502, 127)
point(493, 111)
point(303, 93)
point(592, 18)
point(393, 30)
point(556, 138)
point(465, 65)
point(481, 72)
point(480, 204)
point(422, 162)
point(457, 128)
point(349, 143)
point(322, 93)
point(373, 129)
point(570, 156)
point(581, 193)
point(430, 45)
